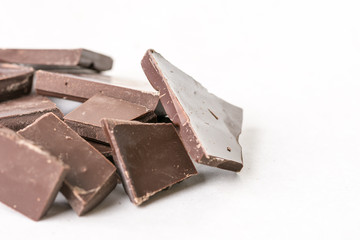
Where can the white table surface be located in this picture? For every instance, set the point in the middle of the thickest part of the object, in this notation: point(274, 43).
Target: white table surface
point(293, 66)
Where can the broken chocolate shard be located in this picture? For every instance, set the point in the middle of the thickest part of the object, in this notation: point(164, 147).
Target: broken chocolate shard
point(208, 126)
point(30, 177)
point(57, 58)
point(86, 119)
point(15, 81)
point(81, 87)
point(104, 149)
point(19, 113)
point(150, 157)
point(91, 177)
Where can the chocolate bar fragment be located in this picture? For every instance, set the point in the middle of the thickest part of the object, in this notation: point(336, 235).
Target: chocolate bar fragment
point(18, 113)
point(208, 126)
point(57, 58)
point(150, 157)
point(15, 81)
point(81, 87)
point(86, 119)
point(30, 177)
point(104, 149)
point(91, 177)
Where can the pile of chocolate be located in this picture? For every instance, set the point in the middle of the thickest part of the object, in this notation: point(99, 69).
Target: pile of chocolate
point(145, 139)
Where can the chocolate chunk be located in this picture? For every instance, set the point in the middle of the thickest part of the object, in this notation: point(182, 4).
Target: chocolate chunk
point(85, 119)
point(91, 177)
point(30, 177)
point(104, 149)
point(150, 157)
point(15, 81)
point(208, 126)
point(18, 113)
point(80, 87)
point(57, 58)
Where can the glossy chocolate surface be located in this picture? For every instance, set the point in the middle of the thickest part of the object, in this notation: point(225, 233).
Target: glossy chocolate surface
point(208, 126)
point(150, 157)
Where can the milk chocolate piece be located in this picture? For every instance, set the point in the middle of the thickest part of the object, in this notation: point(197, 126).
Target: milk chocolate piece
point(86, 119)
point(91, 177)
point(104, 149)
point(57, 58)
point(30, 177)
point(150, 157)
point(80, 87)
point(18, 113)
point(208, 126)
point(15, 81)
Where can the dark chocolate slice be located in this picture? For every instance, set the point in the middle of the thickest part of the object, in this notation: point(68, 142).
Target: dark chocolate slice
point(15, 81)
point(30, 177)
point(81, 87)
point(150, 157)
point(18, 113)
point(86, 119)
point(57, 58)
point(91, 177)
point(208, 126)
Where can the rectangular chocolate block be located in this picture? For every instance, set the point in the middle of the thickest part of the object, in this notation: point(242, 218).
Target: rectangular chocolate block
point(18, 113)
point(15, 81)
point(91, 177)
point(30, 177)
point(208, 126)
point(57, 58)
point(86, 119)
point(150, 157)
point(81, 87)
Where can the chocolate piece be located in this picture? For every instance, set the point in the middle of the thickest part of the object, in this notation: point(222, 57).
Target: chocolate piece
point(91, 177)
point(80, 87)
point(30, 177)
point(18, 113)
point(208, 126)
point(85, 119)
point(15, 81)
point(57, 58)
point(104, 149)
point(150, 157)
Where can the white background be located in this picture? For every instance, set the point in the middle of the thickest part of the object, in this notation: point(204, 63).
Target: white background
point(293, 66)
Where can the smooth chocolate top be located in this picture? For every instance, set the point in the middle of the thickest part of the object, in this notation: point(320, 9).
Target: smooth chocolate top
point(80, 87)
point(89, 169)
point(150, 157)
point(208, 126)
point(57, 58)
point(100, 106)
point(30, 177)
point(20, 112)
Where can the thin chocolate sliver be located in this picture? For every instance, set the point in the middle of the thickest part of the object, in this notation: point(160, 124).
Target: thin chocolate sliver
point(150, 157)
point(30, 177)
point(86, 119)
point(91, 177)
point(19, 113)
point(208, 126)
point(81, 87)
point(57, 58)
point(15, 81)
